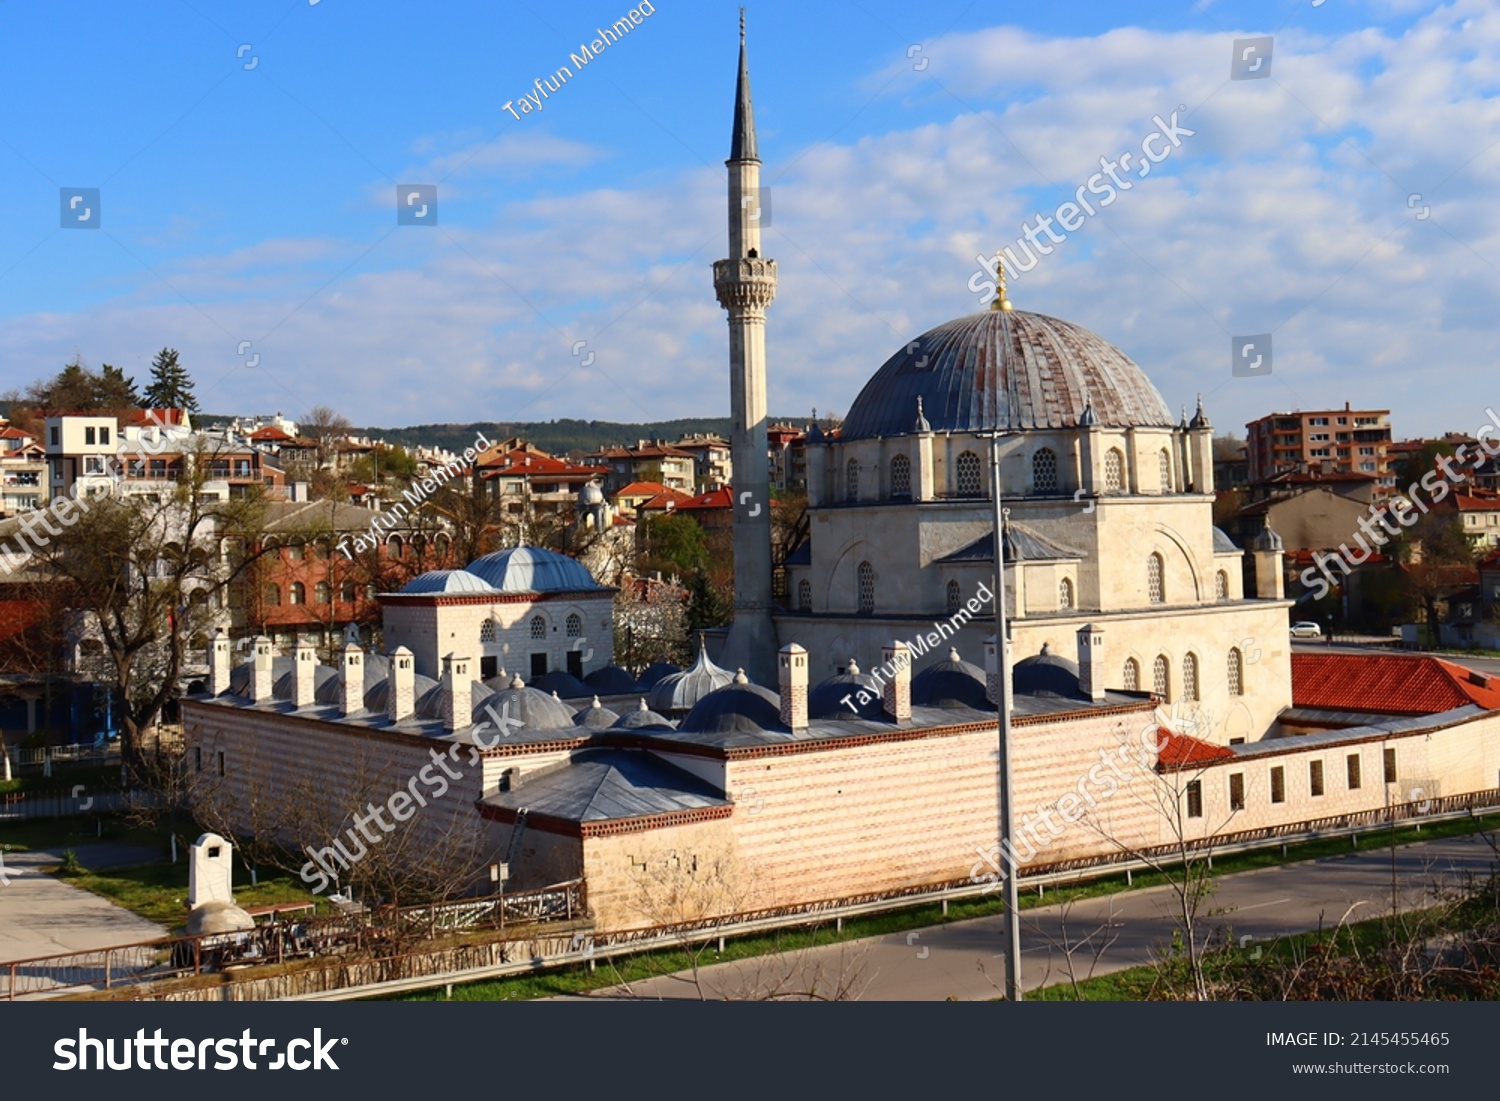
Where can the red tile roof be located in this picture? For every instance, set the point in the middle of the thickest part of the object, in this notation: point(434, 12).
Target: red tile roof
point(1473, 503)
point(1180, 750)
point(713, 499)
point(534, 464)
point(269, 434)
point(148, 418)
point(1391, 684)
point(640, 489)
point(668, 501)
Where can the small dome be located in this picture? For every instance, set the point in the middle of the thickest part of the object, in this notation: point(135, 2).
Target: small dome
point(430, 703)
point(610, 681)
point(323, 676)
point(642, 718)
point(590, 495)
point(1046, 674)
point(534, 570)
point(951, 683)
point(537, 710)
point(681, 691)
point(739, 708)
point(563, 684)
point(377, 695)
point(239, 676)
point(655, 672)
point(377, 668)
point(826, 700)
point(447, 581)
point(596, 716)
point(1267, 541)
point(217, 917)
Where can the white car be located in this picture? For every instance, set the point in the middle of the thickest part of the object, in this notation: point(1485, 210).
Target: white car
point(1306, 629)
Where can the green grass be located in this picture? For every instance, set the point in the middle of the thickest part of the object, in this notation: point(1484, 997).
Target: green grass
point(69, 833)
point(157, 892)
point(579, 979)
point(64, 779)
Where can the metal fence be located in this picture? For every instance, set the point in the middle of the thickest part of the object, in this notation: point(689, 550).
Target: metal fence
point(21, 805)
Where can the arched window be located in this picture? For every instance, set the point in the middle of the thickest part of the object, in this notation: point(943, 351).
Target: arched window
point(1164, 470)
point(538, 627)
point(322, 593)
point(1190, 677)
point(969, 482)
point(273, 595)
point(487, 631)
point(1161, 677)
point(1156, 587)
point(347, 592)
point(1044, 470)
point(440, 544)
point(298, 593)
point(1065, 593)
point(394, 546)
point(1132, 675)
point(866, 588)
point(1114, 470)
point(955, 597)
point(1236, 672)
point(804, 595)
point(574, 625)
point(900, 476)
point(1221, 585)
point(851, 480)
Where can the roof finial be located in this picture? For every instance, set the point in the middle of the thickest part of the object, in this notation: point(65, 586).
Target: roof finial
point(1002, 301)
point(742, 26)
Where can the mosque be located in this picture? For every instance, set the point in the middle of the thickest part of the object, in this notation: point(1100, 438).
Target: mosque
point(844, 745)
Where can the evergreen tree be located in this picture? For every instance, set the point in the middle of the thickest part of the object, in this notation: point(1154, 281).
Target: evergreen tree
point(170, 388)
point(117, 387)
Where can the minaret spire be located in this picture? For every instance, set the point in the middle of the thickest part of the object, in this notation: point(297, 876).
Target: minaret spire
point(742, 144)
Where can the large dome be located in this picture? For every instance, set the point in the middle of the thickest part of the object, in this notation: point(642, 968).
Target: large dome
point(1048, 370)
point(533, 570)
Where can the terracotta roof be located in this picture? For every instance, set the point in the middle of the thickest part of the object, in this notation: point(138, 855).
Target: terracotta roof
point(1180, 750)
point(640, 489)
point(148, 418)
point(1298, 477)
point(521, 461)
point(713, 499)
point(269, 434)
point(669, 500)
point(1389, 684)
point(1470, 503)
point(650, 451)
point(8, 433)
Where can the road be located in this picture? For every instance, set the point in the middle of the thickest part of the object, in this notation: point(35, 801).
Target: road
point(41, 915)
point(964, 961)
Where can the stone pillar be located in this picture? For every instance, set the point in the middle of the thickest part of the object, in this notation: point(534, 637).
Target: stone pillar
point(792, 676)
point(400, 699)
point(895, 695)
point(304, 674)
point(210, 871)
point(220, 661)
point(260, 670)
point(458, 694)
point(1091, 661)
point(353, 683)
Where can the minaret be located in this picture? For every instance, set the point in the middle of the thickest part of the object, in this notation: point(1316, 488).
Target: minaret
point(746, 284)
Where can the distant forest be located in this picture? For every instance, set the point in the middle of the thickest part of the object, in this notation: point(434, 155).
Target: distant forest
point(559, 436)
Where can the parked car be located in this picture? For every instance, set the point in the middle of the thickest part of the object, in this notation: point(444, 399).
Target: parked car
point(1306, 629)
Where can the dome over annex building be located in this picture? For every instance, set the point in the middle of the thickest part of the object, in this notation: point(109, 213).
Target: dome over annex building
point(448, 582)
point(1009, 370)
point(533, 570)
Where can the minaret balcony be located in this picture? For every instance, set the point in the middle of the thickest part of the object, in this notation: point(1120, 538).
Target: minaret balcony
point(748, 282)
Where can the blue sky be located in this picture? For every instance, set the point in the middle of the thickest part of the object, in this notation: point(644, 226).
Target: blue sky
point(258, 203)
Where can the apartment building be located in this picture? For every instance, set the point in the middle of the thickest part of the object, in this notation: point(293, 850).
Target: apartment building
point(1343, 440)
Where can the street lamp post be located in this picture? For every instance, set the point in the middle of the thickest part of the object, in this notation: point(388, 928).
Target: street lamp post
point(1002, 701)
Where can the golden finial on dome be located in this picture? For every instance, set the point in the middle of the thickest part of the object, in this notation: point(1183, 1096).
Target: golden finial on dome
point(1001, 302)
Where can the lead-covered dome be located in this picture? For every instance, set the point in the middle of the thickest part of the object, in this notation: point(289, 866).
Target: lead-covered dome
point(534, 570)
point(1005, 369)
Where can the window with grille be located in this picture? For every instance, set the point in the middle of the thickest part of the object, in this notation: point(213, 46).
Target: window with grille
point(487, 631)
point(953, 597)
point(1114, 470)
point(866, 587)
point(538, 627)
point(1190, 677)
point(1236, 672)
point(1065, 593)
point(1044, 470)
point(851, 479)
point(1195, 799)
point(900, 476)
point(575, 626)
point(969, 482)
point(804, 595)
point(1132, 676)
point(1161, 679)
point(1164, 470)
point(1156, 588)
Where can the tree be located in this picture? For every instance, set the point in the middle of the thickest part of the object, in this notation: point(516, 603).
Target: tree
point(383, 463)
point(170, 387)
point(1436, 555)
point(76, 389)
point(115, 382)
point(325, 428)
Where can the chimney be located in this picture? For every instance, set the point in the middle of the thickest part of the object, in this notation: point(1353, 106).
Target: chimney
point(991, 672)
point(1091, 661)
point(400, 697)
point(304, 674)
point(896, 692)
point(792, 675)
point(458, 694)
point(260, 670)
point(219, 661)
point(354, 679)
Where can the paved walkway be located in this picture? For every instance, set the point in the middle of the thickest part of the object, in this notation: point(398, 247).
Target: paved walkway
point(965, 960)
point(41, 915)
